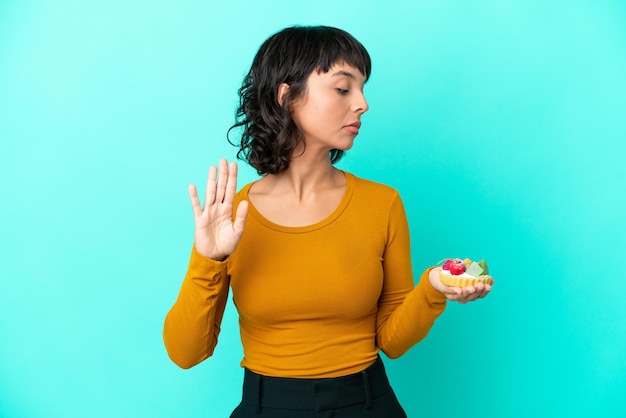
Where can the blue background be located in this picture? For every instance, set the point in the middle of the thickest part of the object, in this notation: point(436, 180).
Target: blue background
point(501, 123)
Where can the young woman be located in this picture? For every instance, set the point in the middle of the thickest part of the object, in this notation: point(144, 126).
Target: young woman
point(318, 260)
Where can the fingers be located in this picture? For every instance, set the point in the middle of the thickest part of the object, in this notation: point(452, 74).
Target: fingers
point(221, 185)
point(210, 193)
point(222, 181)
point(468, 293)
point(485, 291)
point(472, 293)
point(231, 186)
point(195, 202)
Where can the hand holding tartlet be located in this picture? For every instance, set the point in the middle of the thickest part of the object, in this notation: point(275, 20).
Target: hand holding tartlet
point(462, 280)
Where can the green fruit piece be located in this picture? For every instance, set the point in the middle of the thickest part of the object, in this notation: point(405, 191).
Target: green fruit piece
point(483, 264)
point(474, 269)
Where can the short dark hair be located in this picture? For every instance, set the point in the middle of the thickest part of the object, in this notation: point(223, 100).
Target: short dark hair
point(269, 135)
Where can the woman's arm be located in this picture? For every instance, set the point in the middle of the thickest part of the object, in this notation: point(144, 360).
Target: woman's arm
point(193, 323)
point(407, 313)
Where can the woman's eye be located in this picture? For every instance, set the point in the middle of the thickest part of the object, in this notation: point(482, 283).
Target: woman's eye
point(342, 91)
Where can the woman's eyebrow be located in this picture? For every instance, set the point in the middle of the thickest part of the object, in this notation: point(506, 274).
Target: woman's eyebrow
point(348, 74)
point(344, 73)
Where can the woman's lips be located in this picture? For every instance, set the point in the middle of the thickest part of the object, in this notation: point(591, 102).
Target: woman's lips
point(353, 128)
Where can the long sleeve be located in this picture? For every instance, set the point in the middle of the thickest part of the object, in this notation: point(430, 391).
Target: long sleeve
point(405, 313)
point(193, 323)
point(412, 320)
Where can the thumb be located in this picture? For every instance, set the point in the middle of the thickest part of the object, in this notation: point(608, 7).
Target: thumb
point(241, 215)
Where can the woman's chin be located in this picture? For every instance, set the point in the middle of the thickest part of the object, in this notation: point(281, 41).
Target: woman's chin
point(346, 145)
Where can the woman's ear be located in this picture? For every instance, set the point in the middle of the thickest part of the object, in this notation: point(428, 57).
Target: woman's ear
point(282, 91)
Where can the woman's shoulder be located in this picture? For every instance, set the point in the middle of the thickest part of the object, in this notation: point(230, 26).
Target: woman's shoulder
point(371, 187)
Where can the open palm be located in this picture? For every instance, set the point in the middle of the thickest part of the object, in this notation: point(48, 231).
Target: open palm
point(216, 233)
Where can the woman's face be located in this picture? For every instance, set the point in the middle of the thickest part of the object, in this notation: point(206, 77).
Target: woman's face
point(329, 112)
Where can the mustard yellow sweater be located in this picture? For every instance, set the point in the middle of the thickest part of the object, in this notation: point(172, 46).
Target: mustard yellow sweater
point(313, 301)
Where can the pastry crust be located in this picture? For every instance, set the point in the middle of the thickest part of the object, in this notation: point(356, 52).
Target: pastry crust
point(458, 281)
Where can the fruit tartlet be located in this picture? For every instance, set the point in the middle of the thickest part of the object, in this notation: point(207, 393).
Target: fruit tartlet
point(461, 273)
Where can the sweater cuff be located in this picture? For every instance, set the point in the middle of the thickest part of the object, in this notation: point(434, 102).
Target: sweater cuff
point(204, 266)
point(432, 294)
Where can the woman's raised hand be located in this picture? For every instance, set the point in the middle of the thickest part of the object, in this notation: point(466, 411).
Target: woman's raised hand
point(216, 234)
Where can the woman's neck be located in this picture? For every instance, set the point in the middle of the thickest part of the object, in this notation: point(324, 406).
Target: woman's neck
point(307, 174)
point(301, 180)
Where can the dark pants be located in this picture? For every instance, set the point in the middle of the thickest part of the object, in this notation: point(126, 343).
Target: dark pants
point(361, 395)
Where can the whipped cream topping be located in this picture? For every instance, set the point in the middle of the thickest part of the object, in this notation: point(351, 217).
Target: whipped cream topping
point(464, 275)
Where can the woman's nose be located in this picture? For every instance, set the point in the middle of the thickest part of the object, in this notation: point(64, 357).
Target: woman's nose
point(360, 104)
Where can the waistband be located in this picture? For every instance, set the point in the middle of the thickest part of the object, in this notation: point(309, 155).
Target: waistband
point(316, 394)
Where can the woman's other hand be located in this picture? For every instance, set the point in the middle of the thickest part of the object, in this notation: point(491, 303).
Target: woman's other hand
point(216, 234)
point(459, 294)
